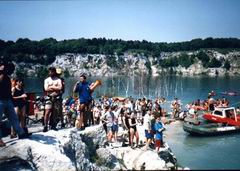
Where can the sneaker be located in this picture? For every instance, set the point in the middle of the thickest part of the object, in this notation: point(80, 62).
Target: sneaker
point(24, 135)
point(54, 128)
point(63, 125)
point(13, 136)
point(45, 129)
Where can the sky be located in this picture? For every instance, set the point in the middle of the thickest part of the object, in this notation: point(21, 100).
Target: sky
point(151, 20)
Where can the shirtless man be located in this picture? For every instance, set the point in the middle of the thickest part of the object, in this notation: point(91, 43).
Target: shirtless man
point(52, 88)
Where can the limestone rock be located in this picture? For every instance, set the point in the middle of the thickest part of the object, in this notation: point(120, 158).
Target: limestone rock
point(69, 149)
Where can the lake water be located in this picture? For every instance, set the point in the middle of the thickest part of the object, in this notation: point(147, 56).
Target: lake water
point(218, 152)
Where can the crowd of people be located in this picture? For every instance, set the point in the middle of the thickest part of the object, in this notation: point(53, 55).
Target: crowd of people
point(120, 115)
point(116, 114)
point(208, 105)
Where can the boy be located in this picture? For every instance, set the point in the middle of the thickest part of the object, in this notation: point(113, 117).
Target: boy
point(159, 136)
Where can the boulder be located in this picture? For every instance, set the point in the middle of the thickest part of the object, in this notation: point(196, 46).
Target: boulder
point(70, 149)
point(41, 151)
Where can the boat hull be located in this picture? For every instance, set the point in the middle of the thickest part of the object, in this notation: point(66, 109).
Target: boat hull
point(209, 129)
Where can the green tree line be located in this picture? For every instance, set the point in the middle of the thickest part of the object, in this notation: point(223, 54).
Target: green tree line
point(45, 51)
point(185, 60)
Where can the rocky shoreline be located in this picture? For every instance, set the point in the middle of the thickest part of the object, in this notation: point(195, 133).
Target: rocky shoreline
point(69, 149)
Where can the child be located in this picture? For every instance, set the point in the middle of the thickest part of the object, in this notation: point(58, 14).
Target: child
point(159, 136)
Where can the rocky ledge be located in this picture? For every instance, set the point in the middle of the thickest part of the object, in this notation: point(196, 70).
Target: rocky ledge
point(69, 149)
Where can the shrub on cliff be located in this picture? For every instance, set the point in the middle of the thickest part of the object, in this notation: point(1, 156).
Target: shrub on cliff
point(185, 60)
point(227, 65)
point(202, 56)
point(214, 63)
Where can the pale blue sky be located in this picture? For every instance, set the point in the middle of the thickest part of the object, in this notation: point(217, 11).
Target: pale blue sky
point(151, 20)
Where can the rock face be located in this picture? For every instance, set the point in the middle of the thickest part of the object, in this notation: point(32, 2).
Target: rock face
point(42, 151)
point(58, 150)
point(137, 64)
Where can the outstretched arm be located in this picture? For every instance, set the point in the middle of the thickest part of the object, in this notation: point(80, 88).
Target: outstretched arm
point(75, 88)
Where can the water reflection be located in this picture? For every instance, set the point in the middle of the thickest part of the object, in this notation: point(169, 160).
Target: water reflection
point(187, 89)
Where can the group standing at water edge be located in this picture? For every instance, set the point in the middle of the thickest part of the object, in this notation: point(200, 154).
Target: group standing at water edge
point(117, 115)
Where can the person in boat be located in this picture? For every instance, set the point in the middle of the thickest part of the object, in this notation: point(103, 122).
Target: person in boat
point(224, 102)
point(211, 103)
point(176, 107)
point(212, 93)
point(230, 93)
point(238, 110)
point(230, 114)
point(198, 102)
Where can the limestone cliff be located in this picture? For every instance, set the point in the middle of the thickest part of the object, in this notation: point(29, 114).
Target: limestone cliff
point(138, 64)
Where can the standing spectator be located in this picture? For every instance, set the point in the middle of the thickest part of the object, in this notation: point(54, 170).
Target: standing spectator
point(147, 129)
point(53, 88)
point(143, 106)
point(6, 104)
point(96, 114)
point(85, 98)
point(109, 118)
point(19, 103)
point(133, 130)
point(58, 104)
point(159, 136)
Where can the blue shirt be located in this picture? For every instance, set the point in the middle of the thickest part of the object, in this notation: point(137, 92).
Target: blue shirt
point(157, 126)
point(84, 92)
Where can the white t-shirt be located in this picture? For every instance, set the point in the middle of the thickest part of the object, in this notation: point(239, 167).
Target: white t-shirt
point(146, 122)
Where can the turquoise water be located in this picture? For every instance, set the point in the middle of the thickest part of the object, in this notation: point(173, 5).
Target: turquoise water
point(218, 152)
